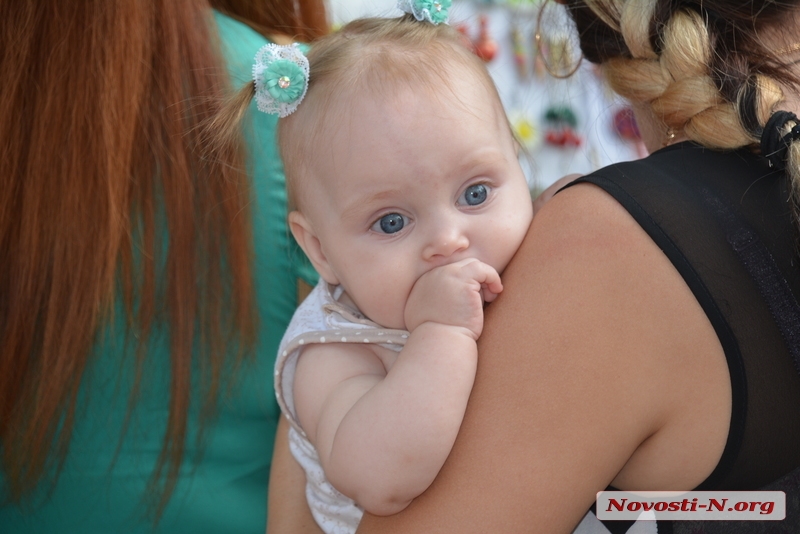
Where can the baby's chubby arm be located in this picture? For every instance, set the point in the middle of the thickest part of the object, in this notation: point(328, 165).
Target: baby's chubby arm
point(383, 436)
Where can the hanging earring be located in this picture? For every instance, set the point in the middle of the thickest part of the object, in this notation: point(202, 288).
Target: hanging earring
point(562, 127)
point(564, 50)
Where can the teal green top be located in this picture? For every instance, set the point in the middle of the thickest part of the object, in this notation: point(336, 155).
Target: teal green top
point(226, 489)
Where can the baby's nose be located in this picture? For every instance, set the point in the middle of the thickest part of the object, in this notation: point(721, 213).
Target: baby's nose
point(445, 242)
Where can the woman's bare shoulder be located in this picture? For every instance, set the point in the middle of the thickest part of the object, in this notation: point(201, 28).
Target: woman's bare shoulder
point(604, 292)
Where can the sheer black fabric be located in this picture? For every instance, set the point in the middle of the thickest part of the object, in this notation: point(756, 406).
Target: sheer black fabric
point(724, 221)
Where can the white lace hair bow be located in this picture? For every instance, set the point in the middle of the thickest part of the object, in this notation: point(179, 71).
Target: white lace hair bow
point(280, 74)
point(434, 11)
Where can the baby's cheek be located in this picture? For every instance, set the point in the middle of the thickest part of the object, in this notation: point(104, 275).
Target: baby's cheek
point(386, 305)
point(509, 248)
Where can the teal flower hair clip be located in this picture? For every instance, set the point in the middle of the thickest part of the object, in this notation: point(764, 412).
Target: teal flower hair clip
point(280, 74)
point(434, 11)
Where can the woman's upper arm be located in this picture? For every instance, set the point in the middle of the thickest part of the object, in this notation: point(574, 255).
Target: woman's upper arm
point(288, 511)
point(578, 366)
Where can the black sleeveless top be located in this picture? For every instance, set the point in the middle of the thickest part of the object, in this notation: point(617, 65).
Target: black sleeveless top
point(724, 221)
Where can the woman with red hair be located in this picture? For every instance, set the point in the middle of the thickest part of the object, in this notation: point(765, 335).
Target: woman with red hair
point(146, 273)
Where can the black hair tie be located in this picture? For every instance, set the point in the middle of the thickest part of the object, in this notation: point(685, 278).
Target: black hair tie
point(774, 146)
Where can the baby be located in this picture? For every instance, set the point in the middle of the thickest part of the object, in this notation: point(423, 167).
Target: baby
point(410, 201)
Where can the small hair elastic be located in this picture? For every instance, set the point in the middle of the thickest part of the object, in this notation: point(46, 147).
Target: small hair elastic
point(434, 11)
point(280, 75)
point(774, 145)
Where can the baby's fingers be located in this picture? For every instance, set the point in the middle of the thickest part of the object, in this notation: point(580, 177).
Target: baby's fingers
point(487, 277)
point(488, 295)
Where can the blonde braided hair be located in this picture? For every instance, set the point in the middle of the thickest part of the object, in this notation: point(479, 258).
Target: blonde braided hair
point(678, 84)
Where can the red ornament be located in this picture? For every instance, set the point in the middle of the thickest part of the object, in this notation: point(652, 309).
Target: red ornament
point(485, 46)
point(562, 123)
point(563, 137)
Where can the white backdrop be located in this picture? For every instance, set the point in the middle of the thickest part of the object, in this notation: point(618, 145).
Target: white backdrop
point(584, 92)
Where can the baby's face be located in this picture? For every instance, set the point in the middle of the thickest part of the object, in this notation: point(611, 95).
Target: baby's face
point(412, 184)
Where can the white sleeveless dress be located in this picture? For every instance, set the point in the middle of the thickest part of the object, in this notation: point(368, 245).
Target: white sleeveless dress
point(321, 318)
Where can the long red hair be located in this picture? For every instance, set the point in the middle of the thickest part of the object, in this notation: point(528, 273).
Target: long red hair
point(108, 193)
point(302, 20)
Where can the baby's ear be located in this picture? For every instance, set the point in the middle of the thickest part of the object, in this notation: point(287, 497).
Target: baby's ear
point(305, 236)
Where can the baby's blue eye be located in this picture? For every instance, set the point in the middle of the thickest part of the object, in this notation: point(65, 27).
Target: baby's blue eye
point(390, 223)
point(475, 194)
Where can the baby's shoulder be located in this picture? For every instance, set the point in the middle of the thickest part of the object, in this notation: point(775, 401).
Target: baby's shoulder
point(331, 363)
